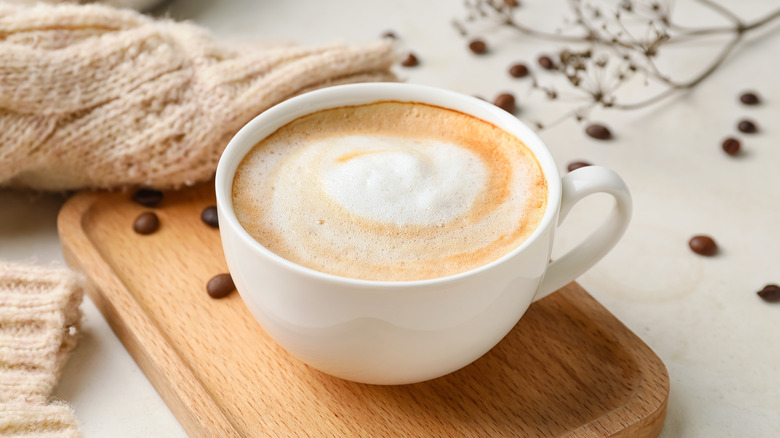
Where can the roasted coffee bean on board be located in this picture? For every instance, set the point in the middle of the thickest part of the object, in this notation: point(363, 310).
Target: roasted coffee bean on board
point(146, 223)
point(598, 131)
point(731, 146)
point(209, 216)
point(220, 286)
point(770, 293)
point(703, 245)
point(147, 197)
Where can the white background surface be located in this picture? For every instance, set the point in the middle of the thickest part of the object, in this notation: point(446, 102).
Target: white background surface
point(700, 315)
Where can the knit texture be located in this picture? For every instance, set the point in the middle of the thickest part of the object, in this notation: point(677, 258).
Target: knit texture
point(39, 320)
point(140, 5)
point(92, 96)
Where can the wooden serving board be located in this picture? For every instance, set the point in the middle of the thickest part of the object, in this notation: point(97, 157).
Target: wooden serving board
point(569, 367)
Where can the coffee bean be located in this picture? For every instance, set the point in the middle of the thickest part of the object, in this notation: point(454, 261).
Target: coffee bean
point(478, 47)
point(731, 146)
point(148, 197)
point(546, 62)
point(511, 3)
point(574, 165)
point(703, 245)
point(220, 286)
point(598, 131)
point(747, 126)
point(410, 61)
point(389, 34)
point(749, 98)
point(146, 223)
point(209, 216)
point(506, 102)
point(770, 293)
point(518, 70)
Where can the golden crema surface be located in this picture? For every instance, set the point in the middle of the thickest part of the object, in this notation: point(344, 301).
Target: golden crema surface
point(392, 191)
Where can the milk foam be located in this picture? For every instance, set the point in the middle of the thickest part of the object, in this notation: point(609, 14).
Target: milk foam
point(390, 191)
point(403, 181)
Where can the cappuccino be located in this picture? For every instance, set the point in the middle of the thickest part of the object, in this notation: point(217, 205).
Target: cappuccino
point(392, 191)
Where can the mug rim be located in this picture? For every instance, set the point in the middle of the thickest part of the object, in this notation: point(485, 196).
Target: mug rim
point(270, 120)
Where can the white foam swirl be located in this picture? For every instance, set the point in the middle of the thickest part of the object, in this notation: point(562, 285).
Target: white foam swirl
point(400, 181)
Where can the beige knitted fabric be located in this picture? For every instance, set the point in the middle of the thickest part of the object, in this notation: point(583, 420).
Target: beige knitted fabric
point(92, 96)
point(140, 5)
point(39, 319)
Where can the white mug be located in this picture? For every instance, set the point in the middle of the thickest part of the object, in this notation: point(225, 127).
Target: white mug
point(397, 332)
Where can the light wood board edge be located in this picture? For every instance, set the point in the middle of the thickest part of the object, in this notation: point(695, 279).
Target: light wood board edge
point(149, 347)
point(644, 414)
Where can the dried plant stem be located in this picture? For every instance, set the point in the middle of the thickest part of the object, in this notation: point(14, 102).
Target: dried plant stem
point(675, 87)
point(608, 33)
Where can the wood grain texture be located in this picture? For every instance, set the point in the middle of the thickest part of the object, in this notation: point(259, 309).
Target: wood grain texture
point(569, 367)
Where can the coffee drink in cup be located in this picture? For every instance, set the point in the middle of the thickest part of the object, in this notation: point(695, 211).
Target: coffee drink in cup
point(390, 191)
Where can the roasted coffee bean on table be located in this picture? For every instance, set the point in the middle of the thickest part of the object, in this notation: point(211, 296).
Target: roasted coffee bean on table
point(410, 61)
point(518, 70)
point(478, 47)
point(747, 126)
point(209, 216)
point(770, 293)
point(731, 146)
point(703, 245)
point(147, 197)
point(546, 62)
point(574, 165)
point(750, 98)
point(146, 223)
point(598, 131)
point(506, 101)
point(220, 286)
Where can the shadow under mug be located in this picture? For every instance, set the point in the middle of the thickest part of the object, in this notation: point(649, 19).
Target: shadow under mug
point(384, 332)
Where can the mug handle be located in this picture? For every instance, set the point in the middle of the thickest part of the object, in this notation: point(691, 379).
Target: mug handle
point(575, 186)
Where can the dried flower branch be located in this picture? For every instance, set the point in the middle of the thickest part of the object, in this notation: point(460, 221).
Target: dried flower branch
point(609, 43)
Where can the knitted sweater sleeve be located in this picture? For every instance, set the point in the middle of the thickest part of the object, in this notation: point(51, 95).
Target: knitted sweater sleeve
point(39, 320)
point(92, 96)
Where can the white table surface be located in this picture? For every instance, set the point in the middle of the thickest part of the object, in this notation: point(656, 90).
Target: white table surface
point(701, 315)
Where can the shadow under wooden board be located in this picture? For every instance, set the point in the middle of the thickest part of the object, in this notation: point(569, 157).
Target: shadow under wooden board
point(568, 368)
